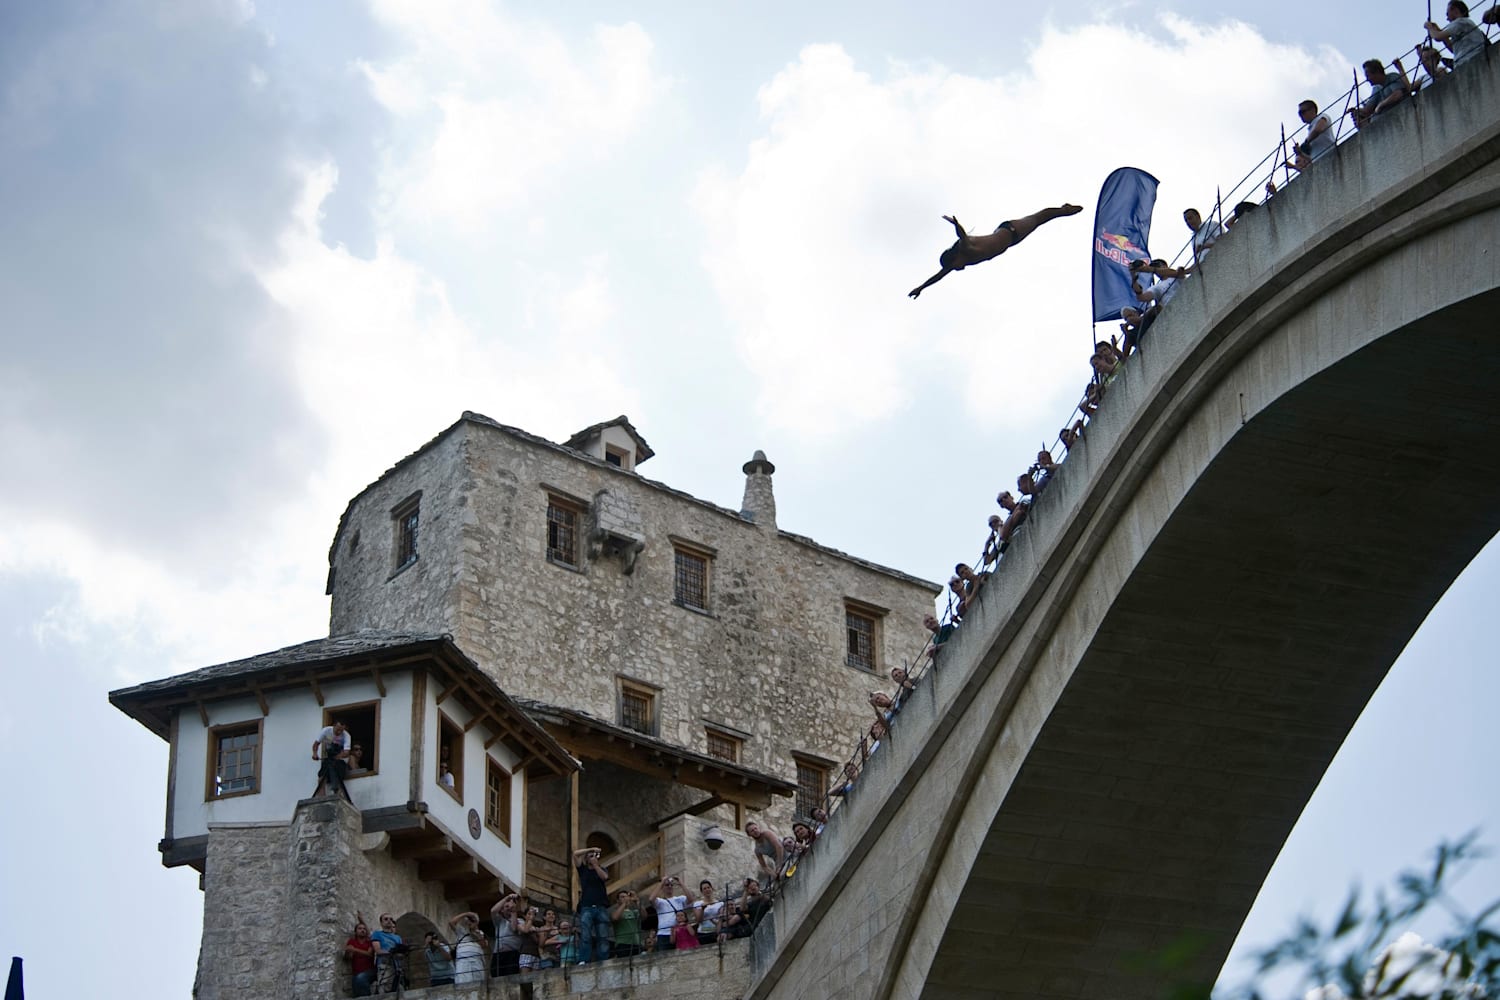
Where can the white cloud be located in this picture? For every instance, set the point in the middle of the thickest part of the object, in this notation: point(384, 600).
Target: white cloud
point(1409, 967)
point(503, 106)
point(834, 214)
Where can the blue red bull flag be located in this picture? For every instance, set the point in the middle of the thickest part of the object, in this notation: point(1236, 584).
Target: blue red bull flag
point(1121, 225)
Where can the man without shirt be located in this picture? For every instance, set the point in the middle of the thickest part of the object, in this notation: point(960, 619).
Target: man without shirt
point(969, 250)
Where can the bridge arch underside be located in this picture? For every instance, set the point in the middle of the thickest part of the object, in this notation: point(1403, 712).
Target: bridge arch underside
point(1228, 669)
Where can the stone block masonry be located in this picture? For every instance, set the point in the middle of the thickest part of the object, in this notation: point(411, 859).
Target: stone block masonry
point(765, 662)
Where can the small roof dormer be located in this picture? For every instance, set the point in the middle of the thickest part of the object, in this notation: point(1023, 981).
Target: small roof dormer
point(616, 442)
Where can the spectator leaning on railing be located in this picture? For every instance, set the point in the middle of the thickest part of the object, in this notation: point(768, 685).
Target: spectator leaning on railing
point(1390, 89)
point(1462, 36)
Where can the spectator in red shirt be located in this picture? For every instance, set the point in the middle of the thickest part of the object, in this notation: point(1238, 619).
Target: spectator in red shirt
point(360, 951)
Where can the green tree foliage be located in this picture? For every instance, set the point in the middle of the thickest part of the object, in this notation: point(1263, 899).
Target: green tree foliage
point(1363, 955)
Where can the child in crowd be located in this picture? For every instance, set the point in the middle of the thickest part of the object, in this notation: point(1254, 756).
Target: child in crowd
point(683, 935)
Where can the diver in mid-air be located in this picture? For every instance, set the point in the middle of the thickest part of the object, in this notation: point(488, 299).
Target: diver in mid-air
point(978, 249)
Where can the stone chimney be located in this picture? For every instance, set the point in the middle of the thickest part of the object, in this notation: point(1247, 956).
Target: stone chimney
point(759, 504)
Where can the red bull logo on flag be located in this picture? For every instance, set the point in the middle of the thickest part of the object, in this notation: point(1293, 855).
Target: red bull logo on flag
point(1121, 224)
point(1120, 249)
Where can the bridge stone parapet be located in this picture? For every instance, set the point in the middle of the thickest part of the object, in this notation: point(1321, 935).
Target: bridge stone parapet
point(1116, 743)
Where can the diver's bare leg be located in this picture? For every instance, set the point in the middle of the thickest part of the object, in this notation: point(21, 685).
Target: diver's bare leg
point(1025, 225)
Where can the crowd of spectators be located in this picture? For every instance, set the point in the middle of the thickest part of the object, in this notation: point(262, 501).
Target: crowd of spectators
point(518, 937)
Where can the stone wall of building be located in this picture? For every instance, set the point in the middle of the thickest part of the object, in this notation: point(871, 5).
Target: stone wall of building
point(245, 950)
point(688, 857)
point(368, 590)
point(280, 900)
point(766, 660)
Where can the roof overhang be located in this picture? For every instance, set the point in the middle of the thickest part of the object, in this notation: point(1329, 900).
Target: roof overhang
point(591, 738)
point(374, 654)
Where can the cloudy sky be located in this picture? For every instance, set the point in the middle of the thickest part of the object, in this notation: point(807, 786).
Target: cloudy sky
point(252, 254)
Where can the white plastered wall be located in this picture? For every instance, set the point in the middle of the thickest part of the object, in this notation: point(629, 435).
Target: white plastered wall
point(453, 812)
point(287, 771)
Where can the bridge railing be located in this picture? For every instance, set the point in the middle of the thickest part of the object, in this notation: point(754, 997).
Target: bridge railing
point(1409, 64)
point(1251, 186)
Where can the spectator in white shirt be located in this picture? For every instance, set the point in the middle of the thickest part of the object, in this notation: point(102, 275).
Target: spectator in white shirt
point(1204, 233)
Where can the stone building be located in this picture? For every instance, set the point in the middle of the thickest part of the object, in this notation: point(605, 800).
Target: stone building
point(596, 658)
point(284, 874)
point(702, 663)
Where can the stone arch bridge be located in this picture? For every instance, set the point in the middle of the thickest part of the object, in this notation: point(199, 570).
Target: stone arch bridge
point(1118, 741)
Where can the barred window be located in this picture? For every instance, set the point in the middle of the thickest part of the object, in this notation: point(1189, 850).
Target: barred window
point(562, 532)
point(638, 708)
point(690, 584)
point(408, 517)
point(723, 746)
point(812, 786)
point(235, 752)
point(860, 636)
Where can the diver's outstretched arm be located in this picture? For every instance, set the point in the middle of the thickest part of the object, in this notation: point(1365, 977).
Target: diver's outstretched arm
point(930, 281)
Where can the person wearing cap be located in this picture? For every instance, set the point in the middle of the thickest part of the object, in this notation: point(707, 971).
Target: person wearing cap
point(439, 960)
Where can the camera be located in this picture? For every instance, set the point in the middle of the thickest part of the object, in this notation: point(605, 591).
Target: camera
point(713, 839)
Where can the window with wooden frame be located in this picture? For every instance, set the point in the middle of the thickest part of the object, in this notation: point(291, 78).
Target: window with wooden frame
point(723, 745)
point(637, 707)
point(618, 457)
point(497, 798)
point(233, 760)
point(362, 722)
point(861, 636)
point(690, 581)
point(562, 531)
point(812, 785)
point(407, 516)
point(450, 757)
